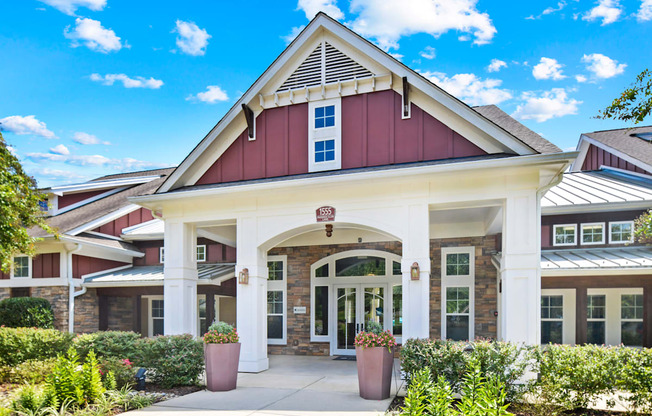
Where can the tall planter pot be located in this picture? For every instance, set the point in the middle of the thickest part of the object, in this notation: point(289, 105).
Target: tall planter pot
point(374, 372)
point(221, 366)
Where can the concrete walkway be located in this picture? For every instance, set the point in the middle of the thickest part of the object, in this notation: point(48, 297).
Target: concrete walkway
point(292, 386)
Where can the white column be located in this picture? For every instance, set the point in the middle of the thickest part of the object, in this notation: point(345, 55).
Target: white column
point(416, 293)
point(180, 283)
point(251, 299)
point(520, 312)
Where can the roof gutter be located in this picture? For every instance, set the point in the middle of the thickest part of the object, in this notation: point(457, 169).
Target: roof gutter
point(113, 249)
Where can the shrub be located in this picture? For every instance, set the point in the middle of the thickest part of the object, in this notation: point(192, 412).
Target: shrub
point(371, 339)
point(115, 344)
point(221, 333)
point(30, 399)
point(122, 371)
point(18, 345)
point(175, 360)
point(30, 371)
point(636, 379)
point(75, 383)
point(504, 361)
point(26, 312)
point(425, 398)
point(221, 327)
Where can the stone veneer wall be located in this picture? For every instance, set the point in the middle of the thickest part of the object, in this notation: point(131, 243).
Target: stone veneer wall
point(299, 260)
point(485, 284)
point(121, 313)
point(58, 297)
point(87, 309)
point(5, 293)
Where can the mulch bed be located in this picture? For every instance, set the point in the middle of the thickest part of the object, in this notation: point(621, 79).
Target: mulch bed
point(174, 391)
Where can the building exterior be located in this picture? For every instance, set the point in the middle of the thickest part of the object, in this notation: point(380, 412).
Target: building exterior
point(342, 187)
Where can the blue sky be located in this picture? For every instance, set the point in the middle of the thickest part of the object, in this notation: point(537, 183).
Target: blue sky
point(91, 87)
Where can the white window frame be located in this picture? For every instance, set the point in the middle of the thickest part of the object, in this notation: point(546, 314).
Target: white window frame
point(13, 267)
point(631, 238)
point(613, 317)
point(604, 231)
point(458, 281)
point(279, 286)
point(325, 133)
point(150, 317)
point(630, 319)
point(554, 235)
point(569, 323)
point(205, 253)
point(161, 255)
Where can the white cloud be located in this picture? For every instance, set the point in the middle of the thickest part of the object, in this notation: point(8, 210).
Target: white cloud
point(69, 7)
point(602, 66)
point(387, 21)
point(645, 11)
point(26, 125)
point(127, 82)
point(470, 88)
point(92, 34)
point(85, 138)
point(580, 78)
point(550, 10)
point(548, 68)
point(212, 95)
point(293, 34)
point(312, 7)
point(396, 56)
point(12, 150)
point(124, 164)
point(428, 53)
point(607, 10)
point(549, 104)
point(496, 65)
point(60, 150)
point(191, 39)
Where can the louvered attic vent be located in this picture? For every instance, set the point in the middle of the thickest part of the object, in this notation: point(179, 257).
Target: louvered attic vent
point(337, 67)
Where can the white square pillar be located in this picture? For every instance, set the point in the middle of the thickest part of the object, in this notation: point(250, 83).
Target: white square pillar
point(416, 293)
point(251, 298)
point(520, 312)
point(180, 279)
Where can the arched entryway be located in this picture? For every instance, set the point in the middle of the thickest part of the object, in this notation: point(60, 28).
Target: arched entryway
point(351, 288)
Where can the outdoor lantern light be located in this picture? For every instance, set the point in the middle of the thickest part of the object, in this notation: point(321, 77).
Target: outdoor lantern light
point(414, 271)
point(140, 379)
point(243, 277)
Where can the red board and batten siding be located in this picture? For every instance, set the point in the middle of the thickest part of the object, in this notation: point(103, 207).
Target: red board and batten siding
point(597, 157)
point(115, 227)
point(83, 265)
point(67, 200)
point(373, 134)
point(44, 265)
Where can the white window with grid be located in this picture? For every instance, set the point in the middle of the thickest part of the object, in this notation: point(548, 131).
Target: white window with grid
point(22, 267)
point(558, 316)
point(593, 233)
point(621, 232)
point(596, 315)
point(458, 297)
point(201, 252)
point(156, 316)
point(564, 235)
point(277, 300)
point(631, 320)
point(324, 135)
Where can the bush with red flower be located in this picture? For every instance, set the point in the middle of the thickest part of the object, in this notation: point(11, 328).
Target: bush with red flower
point(374, 336)
point(221, 333)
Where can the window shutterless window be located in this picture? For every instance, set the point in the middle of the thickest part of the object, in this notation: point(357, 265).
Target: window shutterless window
point(564, 235)
point(324, 116)
point(201, 253)
point(161, 255)
point(552, 319)
point(157, 317)
point(458, 282)
point(596, 319)
point(22, 266)
point(621, 232)
point(457, 264)
point(457, 313)
point(324, 135)
point(276, 300)
point(593, 233)
point(631, 320)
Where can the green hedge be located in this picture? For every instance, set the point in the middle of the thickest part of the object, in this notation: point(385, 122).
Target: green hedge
point(502, 361)
point(175, 360)
point(111, 344)
point(26, 312)
point(18, 345)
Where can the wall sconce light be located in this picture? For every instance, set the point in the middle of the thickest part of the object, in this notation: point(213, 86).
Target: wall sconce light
point(243, 277)
point(414, 271)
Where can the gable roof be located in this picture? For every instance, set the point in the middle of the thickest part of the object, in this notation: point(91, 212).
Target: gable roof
point(518, 130)
point(623, 143)
point(209, 149)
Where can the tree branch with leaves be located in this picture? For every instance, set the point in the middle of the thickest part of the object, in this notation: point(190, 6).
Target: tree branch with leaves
point(634, 104)
point(20, 209)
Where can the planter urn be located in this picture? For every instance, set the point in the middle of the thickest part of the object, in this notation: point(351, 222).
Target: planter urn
point(222, 366)
point(374, 372)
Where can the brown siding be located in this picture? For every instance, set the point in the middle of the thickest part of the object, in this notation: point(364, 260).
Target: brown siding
point(82, 265)
point(373, 134)
point(216, 252)
point(597, 157)
point(67, 200)
point(115, 227)
point(46, 265)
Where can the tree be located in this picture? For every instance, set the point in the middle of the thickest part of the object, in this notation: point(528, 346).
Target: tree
point(643, 228)
point(20, 208)
point(635, 103)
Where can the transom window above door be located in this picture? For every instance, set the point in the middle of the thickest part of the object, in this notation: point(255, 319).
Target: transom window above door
point(360, 266)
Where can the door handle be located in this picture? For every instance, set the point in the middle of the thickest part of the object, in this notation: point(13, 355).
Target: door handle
point(357, 328)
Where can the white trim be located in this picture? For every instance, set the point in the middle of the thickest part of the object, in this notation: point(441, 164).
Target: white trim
point(325, 133)
point(631, 238)
point(83, 202)
point(131, 228)
point(613, 306)
point(570, 273)
point(40, 282)
point(569, 322)
point(13, 267)
point(588, 224)
point(150, 318)
point(467, 281)
point(109, 183)
point(320, 22)
point(554, 235)
point(161, 254)
point(595, 207)
point(110, 237)
point(102, 246)
point(279, 286)
point(104, 219)
point(579, 162)
point(203, 260)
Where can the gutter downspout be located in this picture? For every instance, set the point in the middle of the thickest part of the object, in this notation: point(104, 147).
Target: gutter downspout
point(71, 291)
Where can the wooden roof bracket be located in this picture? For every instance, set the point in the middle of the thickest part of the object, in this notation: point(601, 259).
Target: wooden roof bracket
point(251, 122)
point(406, 99)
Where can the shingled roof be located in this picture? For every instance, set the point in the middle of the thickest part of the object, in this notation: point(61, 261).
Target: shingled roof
point(626, 141)
point(516, 129)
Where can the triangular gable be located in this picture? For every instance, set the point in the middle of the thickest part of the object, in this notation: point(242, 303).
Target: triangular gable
point(449, 110)
point(594, 154)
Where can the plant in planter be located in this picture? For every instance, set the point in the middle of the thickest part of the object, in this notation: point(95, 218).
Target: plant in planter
point(374, 356)
point(222, 355)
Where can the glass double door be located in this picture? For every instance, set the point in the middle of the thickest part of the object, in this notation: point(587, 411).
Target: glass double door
point(356, 305)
